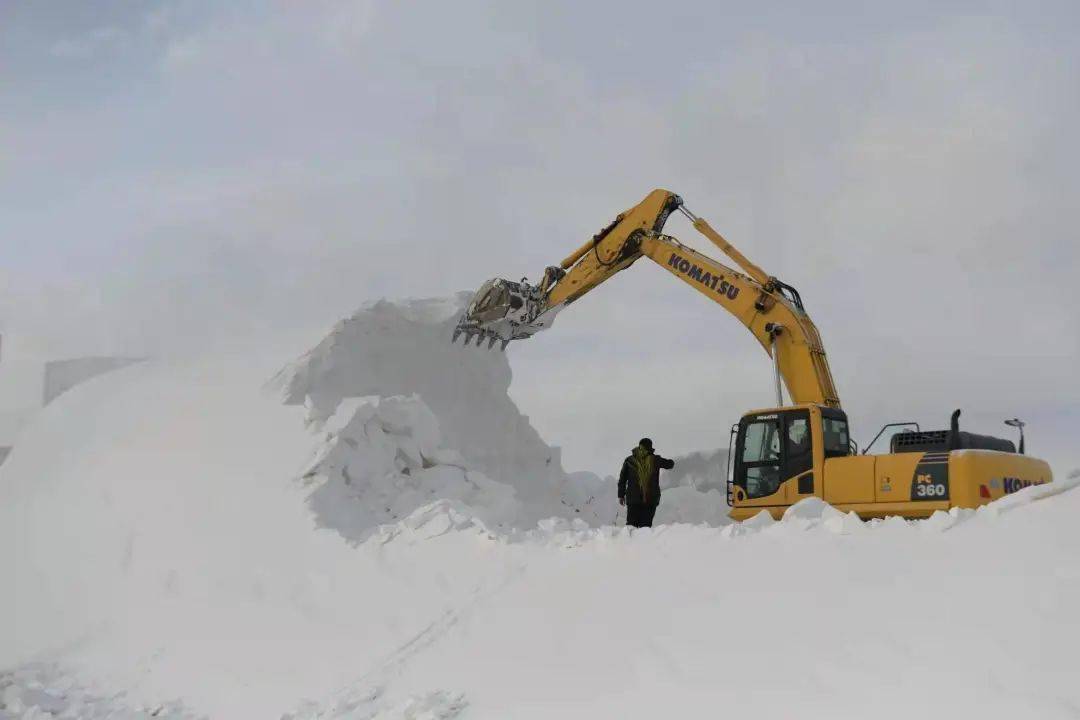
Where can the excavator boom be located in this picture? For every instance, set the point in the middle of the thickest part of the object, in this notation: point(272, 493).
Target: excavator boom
point(502, 310)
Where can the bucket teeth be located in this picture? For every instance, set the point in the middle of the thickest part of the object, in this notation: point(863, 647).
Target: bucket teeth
point(457, 332)
point(491, 342)
point(504, 344)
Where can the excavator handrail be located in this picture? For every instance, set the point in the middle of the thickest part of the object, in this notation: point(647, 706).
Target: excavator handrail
point(885, 427)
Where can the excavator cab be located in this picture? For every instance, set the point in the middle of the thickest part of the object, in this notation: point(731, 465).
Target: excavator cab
point(779, 455)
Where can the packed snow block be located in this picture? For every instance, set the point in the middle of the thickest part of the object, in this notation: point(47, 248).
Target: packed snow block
point(381, 459)
point(440, 518)
point(813, 512)
point(941, 521)
point(811, 508)
point(759, 522)
point(403, 349)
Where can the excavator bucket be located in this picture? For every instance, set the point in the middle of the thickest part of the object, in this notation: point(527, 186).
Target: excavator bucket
point(501, 311)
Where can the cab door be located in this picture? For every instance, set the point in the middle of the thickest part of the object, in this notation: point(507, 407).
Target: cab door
point(758, 461)
point(797, 466)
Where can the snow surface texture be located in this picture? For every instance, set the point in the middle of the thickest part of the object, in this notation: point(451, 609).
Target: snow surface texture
point(174, 542)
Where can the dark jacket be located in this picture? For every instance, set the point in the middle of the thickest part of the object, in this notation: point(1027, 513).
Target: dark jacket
point(639, 480)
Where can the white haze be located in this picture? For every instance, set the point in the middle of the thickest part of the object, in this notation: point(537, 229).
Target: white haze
point(182, 176)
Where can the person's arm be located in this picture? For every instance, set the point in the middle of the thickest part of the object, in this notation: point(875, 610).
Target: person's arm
point(664, 463)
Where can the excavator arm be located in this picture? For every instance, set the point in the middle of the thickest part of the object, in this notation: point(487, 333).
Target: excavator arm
point(502, 310)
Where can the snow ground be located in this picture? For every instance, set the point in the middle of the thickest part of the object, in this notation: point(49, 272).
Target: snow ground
point(177, 542)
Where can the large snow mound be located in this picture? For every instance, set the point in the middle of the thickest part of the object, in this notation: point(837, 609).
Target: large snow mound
point(396, 541)
point(389, 349)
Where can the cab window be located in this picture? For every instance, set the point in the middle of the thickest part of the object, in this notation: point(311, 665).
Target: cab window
point(798, 441)
point(761, 458)
point(762, 442)
point(835, 431)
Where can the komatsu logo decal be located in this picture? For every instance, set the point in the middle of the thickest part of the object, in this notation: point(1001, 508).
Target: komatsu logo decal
point(706, 278)
point(1013, 484)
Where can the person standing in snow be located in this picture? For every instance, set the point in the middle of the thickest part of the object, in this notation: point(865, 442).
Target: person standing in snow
point(639, 483)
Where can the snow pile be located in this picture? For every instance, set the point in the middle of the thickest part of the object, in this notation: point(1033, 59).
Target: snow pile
point(175, 542)
point(158, 548)
point(381, 459)
point(605, 622)
point(813, 512)
point(391, 349)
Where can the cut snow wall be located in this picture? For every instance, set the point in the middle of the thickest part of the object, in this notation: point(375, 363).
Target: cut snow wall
point(382, 458)
point(389, 349)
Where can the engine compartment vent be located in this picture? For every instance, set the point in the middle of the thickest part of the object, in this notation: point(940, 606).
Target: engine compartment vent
point(944, 440)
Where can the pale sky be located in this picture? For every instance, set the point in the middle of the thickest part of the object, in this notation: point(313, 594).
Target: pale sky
point(178, 175)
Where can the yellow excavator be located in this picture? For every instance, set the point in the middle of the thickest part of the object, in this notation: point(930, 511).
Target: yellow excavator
point(783, 454)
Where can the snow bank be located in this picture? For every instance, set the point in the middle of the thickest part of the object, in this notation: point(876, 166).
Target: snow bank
point(967, 618)
point(177, 532)
point(174, 542)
